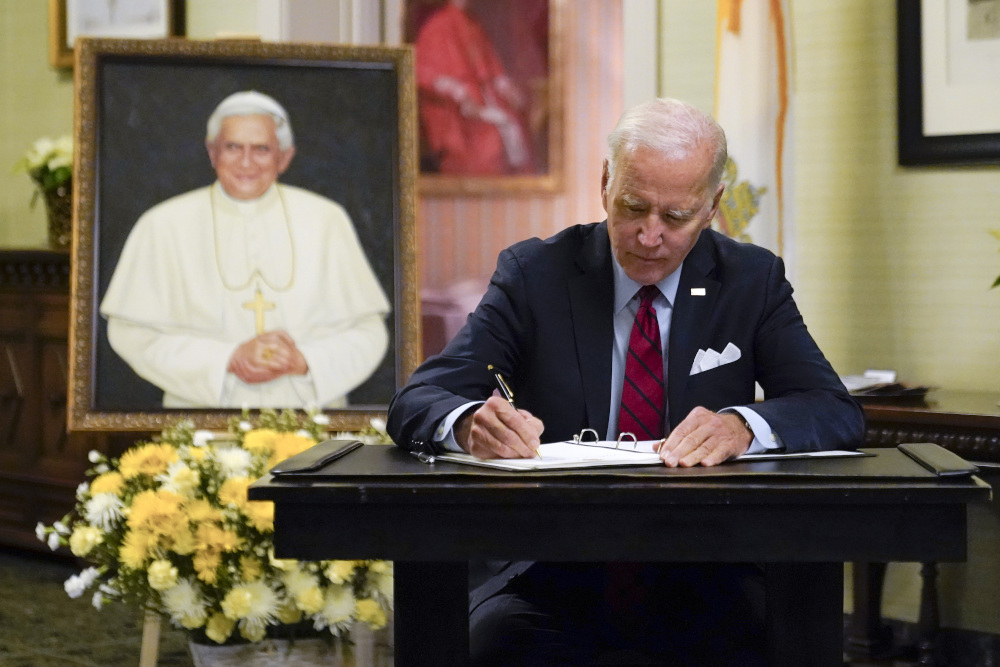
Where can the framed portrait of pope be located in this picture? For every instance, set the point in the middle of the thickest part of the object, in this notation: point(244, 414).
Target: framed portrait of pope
point(244, 232)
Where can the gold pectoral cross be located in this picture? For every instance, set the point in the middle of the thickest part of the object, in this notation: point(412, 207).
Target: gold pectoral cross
point(258, 305)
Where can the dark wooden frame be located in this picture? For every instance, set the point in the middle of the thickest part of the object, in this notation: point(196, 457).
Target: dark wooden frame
point(916, 148)
point(61, 53)
point(371, 137)
point(549, 181)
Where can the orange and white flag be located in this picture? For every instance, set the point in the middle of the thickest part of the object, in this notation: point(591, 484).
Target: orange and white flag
point(753, 103)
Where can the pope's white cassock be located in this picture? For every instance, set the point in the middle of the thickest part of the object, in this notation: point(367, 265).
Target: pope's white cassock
point(202, 273)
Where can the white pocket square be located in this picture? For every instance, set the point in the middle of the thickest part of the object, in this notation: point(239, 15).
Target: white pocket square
point(708, 359)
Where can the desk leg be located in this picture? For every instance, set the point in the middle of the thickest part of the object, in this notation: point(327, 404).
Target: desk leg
point(804, 622)
point(432, 613)
point(868, 636)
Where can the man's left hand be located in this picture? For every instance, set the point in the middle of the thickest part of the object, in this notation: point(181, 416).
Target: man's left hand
point(706, 438)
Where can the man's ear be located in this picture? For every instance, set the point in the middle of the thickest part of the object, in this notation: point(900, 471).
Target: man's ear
point(285, 159)
point(604, 185)
point(716, 201)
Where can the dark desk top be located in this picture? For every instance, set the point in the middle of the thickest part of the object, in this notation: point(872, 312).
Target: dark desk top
point(387, 474)
point(380, 502)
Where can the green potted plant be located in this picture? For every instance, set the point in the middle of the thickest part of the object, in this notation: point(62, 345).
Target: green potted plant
point(168, 528)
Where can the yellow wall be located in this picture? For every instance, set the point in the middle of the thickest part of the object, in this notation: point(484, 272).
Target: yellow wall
point(894, 264)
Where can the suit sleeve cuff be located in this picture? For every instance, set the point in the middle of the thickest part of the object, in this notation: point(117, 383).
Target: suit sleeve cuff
point(764, 439)
point(444, 434)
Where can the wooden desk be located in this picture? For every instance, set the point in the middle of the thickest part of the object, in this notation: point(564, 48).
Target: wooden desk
point(965, 422)
point(381, 503)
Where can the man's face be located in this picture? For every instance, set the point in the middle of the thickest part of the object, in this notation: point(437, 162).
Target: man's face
point(657, 207)
point(246, 156)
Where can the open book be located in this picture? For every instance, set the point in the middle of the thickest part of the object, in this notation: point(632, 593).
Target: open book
point(597, 454)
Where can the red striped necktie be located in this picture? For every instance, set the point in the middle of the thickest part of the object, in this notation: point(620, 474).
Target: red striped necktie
point(642, 394)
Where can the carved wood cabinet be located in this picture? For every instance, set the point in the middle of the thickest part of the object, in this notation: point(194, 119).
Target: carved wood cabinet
point(40, 464)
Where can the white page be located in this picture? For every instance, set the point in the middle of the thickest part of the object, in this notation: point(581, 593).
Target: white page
point(597, 454)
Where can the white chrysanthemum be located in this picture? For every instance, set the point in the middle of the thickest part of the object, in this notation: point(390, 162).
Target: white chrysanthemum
point(202, 437)
point(338, 606)
point(63, 147)
point(82, 490)
point(95, 456)
point(61, 528)
point(234, 461)
point(382, 581)
point(102, 468)
point(40, 531)
point(53, 541)
point(180, 479)
point(254, 605)
point(185, 605)
point(78, 583)
point(245, 426)
point(296, 580)
point(102, 510)
point(40, 151)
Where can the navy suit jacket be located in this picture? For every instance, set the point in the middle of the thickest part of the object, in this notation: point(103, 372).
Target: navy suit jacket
point(546, 323)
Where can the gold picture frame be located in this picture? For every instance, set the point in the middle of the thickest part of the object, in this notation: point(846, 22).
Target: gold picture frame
point(141, 108)
point(507, 32)
point(161, 19)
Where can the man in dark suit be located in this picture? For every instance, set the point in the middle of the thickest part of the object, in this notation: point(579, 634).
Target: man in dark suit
point(557, 321)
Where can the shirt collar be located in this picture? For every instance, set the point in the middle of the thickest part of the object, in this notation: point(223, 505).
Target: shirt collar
point(248, 206)
point(625, 287)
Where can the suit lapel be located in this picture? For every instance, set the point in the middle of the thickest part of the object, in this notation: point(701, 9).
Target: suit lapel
point(591, 293)
point(689, 321)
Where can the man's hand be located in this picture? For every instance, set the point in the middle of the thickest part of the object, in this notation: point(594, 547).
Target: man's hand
point(707, 438)
point(498, 431)
point(267, 357)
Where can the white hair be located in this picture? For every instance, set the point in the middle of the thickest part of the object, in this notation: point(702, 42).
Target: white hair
point(670, 127)
point(252, 103)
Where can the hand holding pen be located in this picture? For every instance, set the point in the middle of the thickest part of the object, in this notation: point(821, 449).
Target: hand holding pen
point(495, 430)
point(506, 391)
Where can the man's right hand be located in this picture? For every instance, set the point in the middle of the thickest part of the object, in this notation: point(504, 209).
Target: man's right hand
point(499, 431)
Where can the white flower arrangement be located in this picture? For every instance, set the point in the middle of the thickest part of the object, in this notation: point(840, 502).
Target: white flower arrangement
point(169, 527)
point(49, 163)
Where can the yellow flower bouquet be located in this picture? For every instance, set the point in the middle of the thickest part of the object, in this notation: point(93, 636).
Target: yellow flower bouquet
point(168, 527)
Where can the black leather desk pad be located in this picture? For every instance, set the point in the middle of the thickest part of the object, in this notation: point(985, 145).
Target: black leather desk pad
point(372, 462)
